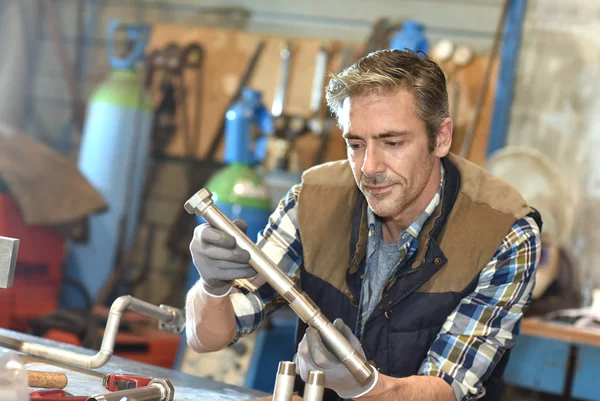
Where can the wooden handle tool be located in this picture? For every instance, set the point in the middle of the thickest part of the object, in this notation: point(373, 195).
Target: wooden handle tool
point(39, 379)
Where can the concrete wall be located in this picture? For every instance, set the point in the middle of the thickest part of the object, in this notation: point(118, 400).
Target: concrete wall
point(556, 108)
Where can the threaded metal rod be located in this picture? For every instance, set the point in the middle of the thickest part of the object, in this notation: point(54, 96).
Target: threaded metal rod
point(315, 386)
point(284, 383)
point(201, 204)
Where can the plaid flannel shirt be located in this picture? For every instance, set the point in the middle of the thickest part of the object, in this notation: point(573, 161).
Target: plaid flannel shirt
point(474, 337)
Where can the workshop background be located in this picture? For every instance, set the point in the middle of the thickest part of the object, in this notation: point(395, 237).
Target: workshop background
point(114, 114)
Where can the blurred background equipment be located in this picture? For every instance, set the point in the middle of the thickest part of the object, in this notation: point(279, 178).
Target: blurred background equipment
point(114, 157)
point(544, 186)
point(104, 133)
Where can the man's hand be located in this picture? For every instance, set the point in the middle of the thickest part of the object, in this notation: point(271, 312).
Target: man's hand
point(219, 259)
point(314, 355)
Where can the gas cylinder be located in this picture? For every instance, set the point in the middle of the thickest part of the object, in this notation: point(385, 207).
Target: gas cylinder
point(411, 37)
point(113, 156)
point(238, 188)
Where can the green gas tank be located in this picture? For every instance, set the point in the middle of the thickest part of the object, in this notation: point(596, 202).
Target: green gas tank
point(238, 189)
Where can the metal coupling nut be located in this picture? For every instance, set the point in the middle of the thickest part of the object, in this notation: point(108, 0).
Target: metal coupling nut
point(167, 389)
point(199, 201)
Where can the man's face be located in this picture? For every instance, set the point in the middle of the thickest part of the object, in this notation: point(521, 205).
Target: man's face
point(388, 150)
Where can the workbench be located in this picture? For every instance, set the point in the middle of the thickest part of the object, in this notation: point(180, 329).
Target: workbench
point(556, 358)
point(89, 382)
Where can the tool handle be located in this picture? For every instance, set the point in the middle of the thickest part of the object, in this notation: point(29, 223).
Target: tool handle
point(47, 379)
point(280, 94)
point(119, 381)
point(316, 97)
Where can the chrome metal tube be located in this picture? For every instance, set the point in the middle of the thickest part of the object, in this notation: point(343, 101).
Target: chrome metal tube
point(201, 204)
point(315, 386)
point(149, 393)
point(156, 390)
point(120, 305)
point(284, 382)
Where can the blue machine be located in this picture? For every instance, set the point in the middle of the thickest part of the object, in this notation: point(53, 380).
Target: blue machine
point(411, 37)
point(114, 154)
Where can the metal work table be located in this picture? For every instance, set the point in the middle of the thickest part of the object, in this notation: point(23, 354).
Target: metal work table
point(88, 382)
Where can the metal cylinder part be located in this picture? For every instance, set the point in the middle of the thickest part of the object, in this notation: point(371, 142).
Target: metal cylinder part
point(284, 382)
point(149, 393)
point(201, 204)
point(156, 390)
point(315, 385)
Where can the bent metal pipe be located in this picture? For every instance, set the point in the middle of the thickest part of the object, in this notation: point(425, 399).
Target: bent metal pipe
point(170, 318)
point(201, 204)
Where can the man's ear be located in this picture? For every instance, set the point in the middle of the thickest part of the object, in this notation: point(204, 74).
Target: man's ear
point(444, 138)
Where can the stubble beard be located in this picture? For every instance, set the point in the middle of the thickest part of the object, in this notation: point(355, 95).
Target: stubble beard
point(402, 194)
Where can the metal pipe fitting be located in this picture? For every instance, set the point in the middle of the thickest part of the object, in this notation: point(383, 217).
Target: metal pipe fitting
point(201, 204)
point(9, 248)
point(284, 382)
point(165, 314)
point(156, 390)
point(315, 386)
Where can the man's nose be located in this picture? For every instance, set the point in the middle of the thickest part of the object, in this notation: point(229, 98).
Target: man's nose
point(372, 163)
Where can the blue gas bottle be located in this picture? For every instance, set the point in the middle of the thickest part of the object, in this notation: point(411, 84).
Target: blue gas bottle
point(114, 154)
point(238, 189)
point(411, 37)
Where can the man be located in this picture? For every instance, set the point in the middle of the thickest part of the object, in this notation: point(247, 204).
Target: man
point(424, 260)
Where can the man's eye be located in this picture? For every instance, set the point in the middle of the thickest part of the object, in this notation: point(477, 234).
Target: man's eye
point(354, 145)
point(394, 144)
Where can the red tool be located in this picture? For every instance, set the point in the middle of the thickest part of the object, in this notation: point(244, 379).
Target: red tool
point(54, 395)
point(121, 381)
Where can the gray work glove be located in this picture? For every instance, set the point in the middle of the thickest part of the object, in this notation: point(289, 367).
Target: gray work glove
point(314, 355)
point(219, 259)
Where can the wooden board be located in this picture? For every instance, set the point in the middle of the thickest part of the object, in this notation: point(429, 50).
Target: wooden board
point(226, 54)
point(470, 80)
point(563, 332)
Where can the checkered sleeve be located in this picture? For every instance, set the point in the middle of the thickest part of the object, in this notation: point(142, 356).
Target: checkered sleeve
point(255, 299)
point(486, 322)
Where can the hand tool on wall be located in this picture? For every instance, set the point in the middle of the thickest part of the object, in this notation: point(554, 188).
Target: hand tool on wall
point(452, 59)
point(182, 228)
point(462, 56)
point(202, 205)
point(121, 381)
point(330, 120)
point(39, 379)
point(156, 390)
point(315, 124)
point(171, 62)
point(291, 127)
point(249, 70)
point(9, 248)
point(470, 133)
point(287, 126)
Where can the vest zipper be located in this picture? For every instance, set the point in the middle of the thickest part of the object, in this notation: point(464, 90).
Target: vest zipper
point(405, 273)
